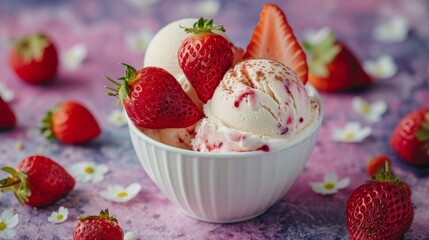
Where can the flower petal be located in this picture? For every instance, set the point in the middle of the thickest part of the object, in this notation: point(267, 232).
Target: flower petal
point(317, 187)
point(133, 190)
point(73, 57)
point(393, 30)
point(117, 118)
point(380, 107)
point(53, 217)
point(9, 233)
point(364, 133)
point(131, 236)
point(352, 126)
point(343, 183)
point(102, 168)
point(6, 215)
point(6, 94)
point(13, 221)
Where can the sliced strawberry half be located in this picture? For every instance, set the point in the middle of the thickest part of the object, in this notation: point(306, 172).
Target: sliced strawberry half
point(273, 38)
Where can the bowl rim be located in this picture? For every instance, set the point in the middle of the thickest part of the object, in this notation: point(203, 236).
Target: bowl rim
point(314, 96)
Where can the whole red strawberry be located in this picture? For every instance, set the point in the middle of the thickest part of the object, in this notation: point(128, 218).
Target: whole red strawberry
point(37, 181)
point(103, 227)
point(7, 116)
point(204, 57)
point(274, 39)
point(154, 99)
point(333, 66)
point(34, 59)
point(379, 209)
point(70, 122)
point(376, 164)
point(410, 139)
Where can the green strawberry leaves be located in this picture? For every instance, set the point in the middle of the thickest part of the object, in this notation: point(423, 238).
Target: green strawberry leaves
point(322, 53)
point(32, 47)
point(204, 26)
point(121, 90)
point(17, 183)
point(46, 128)
point(104, 214)
point(423, 133)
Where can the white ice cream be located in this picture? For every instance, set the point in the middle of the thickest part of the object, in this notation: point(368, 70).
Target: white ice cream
point(259, 104)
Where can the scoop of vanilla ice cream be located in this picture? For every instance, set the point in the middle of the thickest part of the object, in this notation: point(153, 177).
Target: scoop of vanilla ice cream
point(262, 97)
point(162, 49)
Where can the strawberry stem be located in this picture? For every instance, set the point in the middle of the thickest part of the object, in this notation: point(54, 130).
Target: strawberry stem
point(203, 26)
point(121, 90)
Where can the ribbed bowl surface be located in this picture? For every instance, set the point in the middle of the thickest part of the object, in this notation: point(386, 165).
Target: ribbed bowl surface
point(225, 187)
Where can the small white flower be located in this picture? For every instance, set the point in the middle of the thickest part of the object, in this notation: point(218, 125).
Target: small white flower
point(142, 3)
point(138, 41)
point(330, 185)
point(117, 118)
point(208, 8)
point(88, 172)
point(6, 94)
point(315, 37)
point(352, 132)
point(382, 67)
point(120, 194)
point(8, 221)
point(371, 111)
point(131, 236)
point(73, 57)
point(394, 30)
point(60, 216)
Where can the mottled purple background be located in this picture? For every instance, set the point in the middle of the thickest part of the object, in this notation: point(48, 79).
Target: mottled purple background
point(301, 214)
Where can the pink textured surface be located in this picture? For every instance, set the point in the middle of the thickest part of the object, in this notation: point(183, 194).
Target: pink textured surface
point(301, 214)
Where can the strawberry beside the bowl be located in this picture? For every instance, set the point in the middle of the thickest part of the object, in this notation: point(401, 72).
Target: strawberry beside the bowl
point(37, 181)
point(102, 226)
point(380, 208)
point(7, 118)
point(34, 59)
point(410, 139)
point(70, 122)
point(333, 66)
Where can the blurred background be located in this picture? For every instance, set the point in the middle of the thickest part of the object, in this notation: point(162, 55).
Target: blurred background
point(94, 37)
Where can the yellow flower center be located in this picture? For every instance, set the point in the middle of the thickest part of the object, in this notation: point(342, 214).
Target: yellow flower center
point(349, 136)
point(365, 108)
point(71, 58)
point(329, 185)
point(119, 118)
point(378, 70)
point(60, 217)
point(122, 194)
point(89, 169)
point(2, 226)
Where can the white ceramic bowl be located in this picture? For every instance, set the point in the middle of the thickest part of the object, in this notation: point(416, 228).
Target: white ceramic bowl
point(225, 187)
